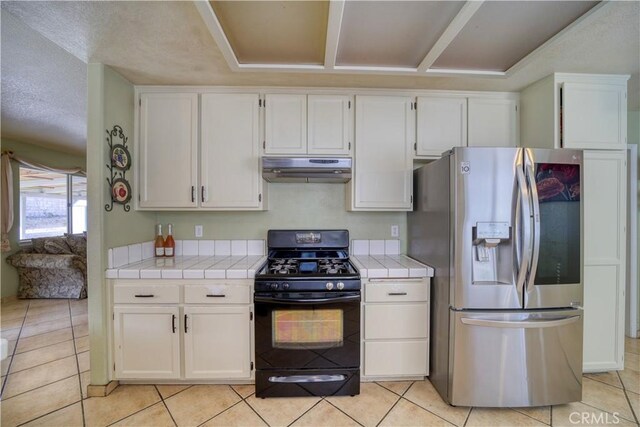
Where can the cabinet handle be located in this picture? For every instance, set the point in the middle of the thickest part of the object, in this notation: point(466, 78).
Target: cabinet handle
point(396, 293)
point(186, 328)
point(193, 193)
point(173, 323)
point(144, 296)
point(202, 194)
point(216, 296)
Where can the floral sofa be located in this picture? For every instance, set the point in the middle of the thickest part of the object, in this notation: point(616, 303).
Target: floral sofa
point(54, 267)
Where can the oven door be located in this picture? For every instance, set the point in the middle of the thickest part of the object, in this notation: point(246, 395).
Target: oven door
point(307, 331)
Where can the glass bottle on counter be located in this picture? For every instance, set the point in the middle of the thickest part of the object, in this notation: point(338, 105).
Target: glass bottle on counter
point(159, 243)
point(169, 243)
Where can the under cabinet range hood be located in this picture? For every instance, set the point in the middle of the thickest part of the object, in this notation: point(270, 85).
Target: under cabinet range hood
point(306, 169)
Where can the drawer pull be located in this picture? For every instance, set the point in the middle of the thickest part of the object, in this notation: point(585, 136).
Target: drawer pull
point(216, 296)
point(396, 293)
point(144, 296)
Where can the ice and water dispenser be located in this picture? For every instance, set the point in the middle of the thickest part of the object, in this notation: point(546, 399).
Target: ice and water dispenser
point(492, 253)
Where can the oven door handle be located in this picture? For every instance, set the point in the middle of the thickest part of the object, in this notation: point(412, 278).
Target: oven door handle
point(291, 301)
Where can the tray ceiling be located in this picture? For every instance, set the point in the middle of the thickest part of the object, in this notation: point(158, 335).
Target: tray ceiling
point(412, 37)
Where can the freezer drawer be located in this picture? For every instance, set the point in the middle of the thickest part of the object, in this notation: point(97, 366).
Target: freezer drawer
point(527, 358)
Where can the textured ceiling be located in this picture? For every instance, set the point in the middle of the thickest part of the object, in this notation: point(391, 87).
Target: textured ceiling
point(167, 43)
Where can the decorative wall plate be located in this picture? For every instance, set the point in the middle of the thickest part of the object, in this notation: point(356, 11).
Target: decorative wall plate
point(120, 157)
point(121, 191)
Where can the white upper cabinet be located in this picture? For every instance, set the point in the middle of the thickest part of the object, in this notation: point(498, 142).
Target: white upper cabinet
point(493, 122)
point(594, 115)
point(168, 143)
point(230, 152)
point(385, 131)
point(329, 124)
point(285, 124)
point(441, 124)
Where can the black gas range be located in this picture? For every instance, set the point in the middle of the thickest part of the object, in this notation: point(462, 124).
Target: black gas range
point(307, 305)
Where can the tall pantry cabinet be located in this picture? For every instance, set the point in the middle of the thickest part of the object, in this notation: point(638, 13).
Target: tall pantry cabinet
point(589, 112)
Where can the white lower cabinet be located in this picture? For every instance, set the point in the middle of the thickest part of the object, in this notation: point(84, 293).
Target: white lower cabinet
point(147, 342)
point(217, 342)
point(396, 328)
point(205, 327)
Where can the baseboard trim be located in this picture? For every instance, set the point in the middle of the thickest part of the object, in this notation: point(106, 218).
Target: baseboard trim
point(102, 390)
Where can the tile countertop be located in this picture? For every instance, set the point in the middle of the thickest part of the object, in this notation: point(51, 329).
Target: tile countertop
point(392, 266)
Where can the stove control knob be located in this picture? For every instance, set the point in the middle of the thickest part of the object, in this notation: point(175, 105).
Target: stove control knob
point(285, 286)
point(329, 286)
point(340, 286)
point(274, 286)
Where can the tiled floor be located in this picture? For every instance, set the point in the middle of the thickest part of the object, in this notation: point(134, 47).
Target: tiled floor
point(44, 384)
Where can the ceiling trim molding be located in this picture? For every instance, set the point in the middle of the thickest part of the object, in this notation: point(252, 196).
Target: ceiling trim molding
point(456, 72)
point(334, 25)
point(585, 19)
point(456, 25)
point(213, 24)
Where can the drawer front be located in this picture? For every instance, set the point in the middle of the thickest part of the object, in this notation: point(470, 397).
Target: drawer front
point(217, 294)
point(146, 294)
point(396, 321)
point(393, 358)
point(396, 291)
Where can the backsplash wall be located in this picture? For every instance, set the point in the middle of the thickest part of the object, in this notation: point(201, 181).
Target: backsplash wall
point(297, 206)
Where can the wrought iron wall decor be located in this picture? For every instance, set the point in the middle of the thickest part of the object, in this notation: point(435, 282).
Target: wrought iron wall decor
point(119, 164)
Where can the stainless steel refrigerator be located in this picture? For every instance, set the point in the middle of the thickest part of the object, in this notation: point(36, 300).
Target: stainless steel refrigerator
point(502, 228)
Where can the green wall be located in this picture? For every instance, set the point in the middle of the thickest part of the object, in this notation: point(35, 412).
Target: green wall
point(38, 154)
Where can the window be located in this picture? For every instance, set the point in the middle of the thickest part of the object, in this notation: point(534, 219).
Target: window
point(51, 204)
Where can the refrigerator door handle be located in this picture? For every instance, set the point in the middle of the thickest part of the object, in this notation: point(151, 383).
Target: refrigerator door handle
point(527, 324)
point(523, 251)
point(533, 188)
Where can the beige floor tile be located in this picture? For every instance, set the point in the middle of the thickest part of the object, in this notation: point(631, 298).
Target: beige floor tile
point(79, 319)
point(71, 416)
point(78, 306)
point(10, 334)
point(167, 391)
point(11, 346)
point(324, 414)
point(369, 407)
point(33, 404)
point(630, 380)
point(13, 302)
point(11, 324)
point(281, 411)
point(85, 380)
point(44, 327)
point(244, 390)
point(84, 364)
point(38, 376)
point(122, 402)
point(610, 378)
point(156, 416)
point(43, 340)
point(47, 316)
point(240, 415)
point(409, 414)
point(42, 355)
point(398, 387)
point(81, 330)
point(12, 313)
point(632, 361)
point(579, 414)
point(5, 366)
point(200, 403)
point(632, 345)
point(50, 312)
point(494, 417)
point(82, 344)
point(47, 302)
point(634, 400)
point(606, 398)
point(423, 394)
point(540, 413)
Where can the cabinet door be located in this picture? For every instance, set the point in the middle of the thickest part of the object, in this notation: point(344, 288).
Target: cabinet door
point(329, 124)
point(147, 342)
point(441, 125)
point(168, 143)
point(285, 124)
point(492, 122)
point(230, 152)
point(217, 342)
point(604, 195)
point(385, 127)
point(594, 116)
